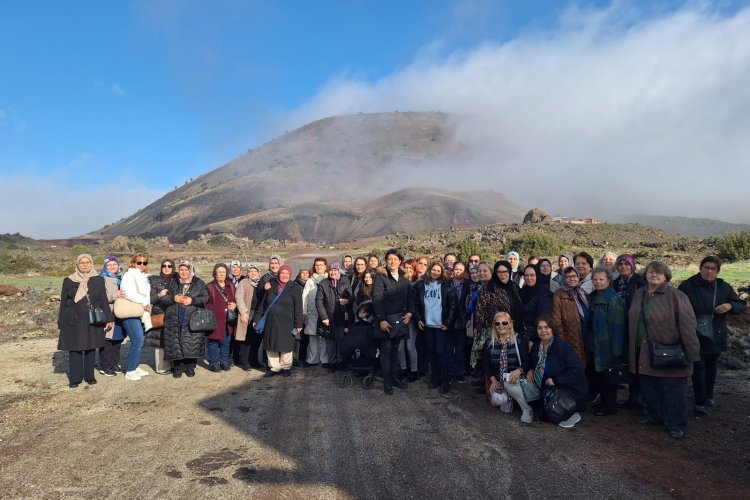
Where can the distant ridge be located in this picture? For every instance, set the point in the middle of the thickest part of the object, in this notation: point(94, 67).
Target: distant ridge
point(698, 227)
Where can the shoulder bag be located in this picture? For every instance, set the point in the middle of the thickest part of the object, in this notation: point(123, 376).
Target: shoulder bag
point(97, 317)
point(124, 308)
point(664, 356)
point(231, 315)
point(202, 320)
point(559, 405)
point(261, 325)
point(705, 322)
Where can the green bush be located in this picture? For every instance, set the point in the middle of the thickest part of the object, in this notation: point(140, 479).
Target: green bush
point(77, 250)
point(468, 246)
point(734, 246)
point(534, 243)
point(16, 263)
point(137, 245)
point(219, 240)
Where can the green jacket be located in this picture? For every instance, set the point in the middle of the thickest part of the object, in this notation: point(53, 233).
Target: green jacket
point(607, 337)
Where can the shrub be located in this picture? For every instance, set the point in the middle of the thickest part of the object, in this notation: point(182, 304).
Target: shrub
point(469, 246)
point(219, 240)
point(16, 263)
point(734, 246)
point(534, 243)
point(77, 250)
point(138, 245)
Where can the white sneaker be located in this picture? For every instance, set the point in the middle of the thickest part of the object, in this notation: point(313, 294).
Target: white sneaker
point(141, 372)
point(571, 422)
point(527, 416)
point(132, 376)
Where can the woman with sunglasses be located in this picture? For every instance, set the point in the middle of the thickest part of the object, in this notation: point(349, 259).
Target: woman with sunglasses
point(137, 289)
point(155, 336)
point(505, 361)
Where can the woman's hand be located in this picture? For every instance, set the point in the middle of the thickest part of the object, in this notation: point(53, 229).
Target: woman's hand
point(267, 286)
point(385, 326)
point(550, 382)
point(444, 328)
point(186, 301)
point(147, 308)
point(406, 318)
point(120, 294)
point(723, 308)
point(420, 325)
point(244, 317)
point(109, 326)
point(163, 292)
point(232, 306)
point(326, 322)
point(515, 375)
point(343, 302)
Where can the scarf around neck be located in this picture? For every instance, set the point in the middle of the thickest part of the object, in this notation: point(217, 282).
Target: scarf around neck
point(81, 278)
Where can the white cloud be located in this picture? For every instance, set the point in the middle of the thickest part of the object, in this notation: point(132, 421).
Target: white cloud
point(113, 88)
point(609, 113)
point(119, 91)
point(47, 209)
point(9, 118)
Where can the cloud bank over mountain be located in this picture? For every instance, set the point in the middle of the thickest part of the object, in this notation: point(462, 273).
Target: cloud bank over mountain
point(610, 113)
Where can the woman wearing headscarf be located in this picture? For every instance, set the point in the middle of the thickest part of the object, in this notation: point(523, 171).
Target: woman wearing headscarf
point(245, 335)
point(564, 261)
point(155, 337)
point(235, 273)
point(137, 289)
point(182, 346)
point(221, 300)
point(333, 304)
point(82, 291)
point(300, 349)
point(516, 276)
point(109, 355)
point(283, 318)
point(570, 312)
point(536, 300)
point(554, 364)
point(543, 272)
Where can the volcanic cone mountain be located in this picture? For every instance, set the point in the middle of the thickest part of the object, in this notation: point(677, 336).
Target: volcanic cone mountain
point(335, 179)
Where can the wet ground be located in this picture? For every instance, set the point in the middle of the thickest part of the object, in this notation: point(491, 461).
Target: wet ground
point(237, 434)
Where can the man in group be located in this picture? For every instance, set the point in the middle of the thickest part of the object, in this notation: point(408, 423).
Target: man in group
point(473, 261)
point(449, 259)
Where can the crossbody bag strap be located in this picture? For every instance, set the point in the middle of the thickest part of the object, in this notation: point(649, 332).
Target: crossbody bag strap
point(713, 305)
point(221, 293)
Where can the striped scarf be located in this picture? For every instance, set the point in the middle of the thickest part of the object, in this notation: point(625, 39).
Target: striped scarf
point(539, 370)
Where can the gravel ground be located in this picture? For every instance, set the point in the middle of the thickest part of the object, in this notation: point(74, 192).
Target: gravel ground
point(238, 435)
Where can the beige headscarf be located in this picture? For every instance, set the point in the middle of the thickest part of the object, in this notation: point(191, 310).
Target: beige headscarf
point(81, 278)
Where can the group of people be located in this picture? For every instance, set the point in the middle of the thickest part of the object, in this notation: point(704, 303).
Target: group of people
point(523, 333)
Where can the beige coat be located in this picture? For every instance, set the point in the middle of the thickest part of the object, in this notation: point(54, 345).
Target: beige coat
point(670, 320)
point(244, 296)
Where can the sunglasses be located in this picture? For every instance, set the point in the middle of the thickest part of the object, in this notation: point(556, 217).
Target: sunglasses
point(167, 266)
point(504, 323)
point(141, 263)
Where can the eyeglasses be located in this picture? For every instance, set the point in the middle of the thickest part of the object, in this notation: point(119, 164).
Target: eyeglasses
point(504, 323)
point(503, 272)
point(141, 263)
point(167, 266)
point(473, 260)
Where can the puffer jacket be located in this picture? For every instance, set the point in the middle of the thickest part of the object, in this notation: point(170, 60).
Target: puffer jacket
point(327, 301)
point(179, 341)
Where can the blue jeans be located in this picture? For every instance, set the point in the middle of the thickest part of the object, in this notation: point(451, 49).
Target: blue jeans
point(218, 351)
point(134, 330)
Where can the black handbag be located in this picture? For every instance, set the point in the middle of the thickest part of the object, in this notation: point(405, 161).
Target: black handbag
point(202, 320)
point(559, 405)
point(97, 316)
point(617, 374)
point(664, 356)
point(324, 331)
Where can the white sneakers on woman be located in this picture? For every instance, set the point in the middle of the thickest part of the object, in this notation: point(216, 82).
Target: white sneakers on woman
point(132, 375)
point(571, 422)
point(141, 372)
point(527, 416)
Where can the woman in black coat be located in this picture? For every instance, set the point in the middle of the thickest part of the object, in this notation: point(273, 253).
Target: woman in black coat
point(80, 292)
point(185, 294)
point(394, 308)
point(283, 322)
point(555, 364)
point(155, 337)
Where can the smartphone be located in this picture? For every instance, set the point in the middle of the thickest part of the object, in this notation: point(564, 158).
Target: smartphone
point(506, 377)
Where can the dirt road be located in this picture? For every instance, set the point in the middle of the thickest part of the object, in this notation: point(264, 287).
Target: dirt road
point(239, 435)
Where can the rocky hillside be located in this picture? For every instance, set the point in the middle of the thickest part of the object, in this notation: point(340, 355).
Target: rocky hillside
point(701, 228)
point(334, 179)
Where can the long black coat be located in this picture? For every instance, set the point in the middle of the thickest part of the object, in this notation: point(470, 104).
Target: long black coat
point(391, 297)
point(73, 321)
point(327, 300)
point(155, 336)
point(285, 314)
point(179, 341)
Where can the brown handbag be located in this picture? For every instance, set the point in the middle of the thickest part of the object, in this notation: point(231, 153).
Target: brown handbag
point(157, 320)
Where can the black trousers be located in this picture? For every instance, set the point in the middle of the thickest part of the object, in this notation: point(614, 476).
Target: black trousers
point(607, 390)
point(389, 360)
point(304, 341)
point(423, 357)
point(184, 365)
point(704, 377)
point(249, 350)
point(109, 355)
point(666, 400)
point(81, 366)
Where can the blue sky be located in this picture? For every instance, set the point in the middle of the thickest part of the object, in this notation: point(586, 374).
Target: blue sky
point(117, 102)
